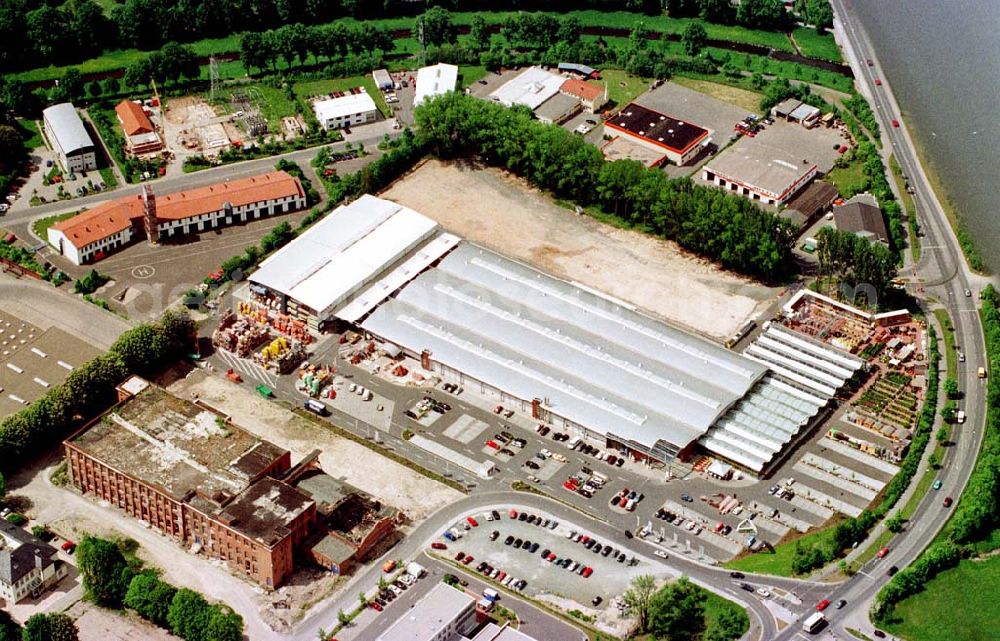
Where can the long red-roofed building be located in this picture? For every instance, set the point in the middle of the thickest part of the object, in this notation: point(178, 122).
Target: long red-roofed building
point(90, 236)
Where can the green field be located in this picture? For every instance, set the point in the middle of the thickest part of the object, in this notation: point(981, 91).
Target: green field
point(308, 88)
point(957, 605)
point(623, 88)
point(779, 562)
point(815, 45)
point(847, 179)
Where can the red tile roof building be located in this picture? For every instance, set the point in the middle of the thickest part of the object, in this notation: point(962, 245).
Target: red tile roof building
point(114, 224)
point(591, 96)
point(140, 135)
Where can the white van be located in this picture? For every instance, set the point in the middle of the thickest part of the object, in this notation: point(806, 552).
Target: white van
point(960, 417)
point(573, 442)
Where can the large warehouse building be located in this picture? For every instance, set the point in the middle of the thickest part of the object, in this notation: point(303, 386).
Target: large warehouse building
point(69, 138)
point(759, 171)
point(555, 350)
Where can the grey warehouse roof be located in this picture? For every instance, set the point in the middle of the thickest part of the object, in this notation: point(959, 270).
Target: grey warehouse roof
point(428, 618)
point(597, 362)
point(67, 127)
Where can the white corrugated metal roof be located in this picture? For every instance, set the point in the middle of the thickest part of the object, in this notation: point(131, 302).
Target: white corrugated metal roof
point(531, 88)
point(598, 364)
point(67, 127)
point(343, 106)
point(434, 81)
point(344, 252)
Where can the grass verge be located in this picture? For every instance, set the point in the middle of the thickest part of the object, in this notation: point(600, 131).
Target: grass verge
point(375, 447)
point(930, 615)
point(908, 207)
point(41, 226)
point(29, 131)
point(950, 355)
point(108, 176)
point(716, 609)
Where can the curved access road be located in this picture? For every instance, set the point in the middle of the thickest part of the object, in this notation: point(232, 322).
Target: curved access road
point(762, 628)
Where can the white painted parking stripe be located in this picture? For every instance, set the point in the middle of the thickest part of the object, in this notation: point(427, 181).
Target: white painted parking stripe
point(855, 477)
point(835, 481)
point(858, 455)
point(812, 494)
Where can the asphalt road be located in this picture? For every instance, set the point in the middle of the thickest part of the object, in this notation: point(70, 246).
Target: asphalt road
point(944, 276)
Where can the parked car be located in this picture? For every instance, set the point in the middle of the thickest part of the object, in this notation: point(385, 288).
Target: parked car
point(375, 606)
point(438, 546)
point(883, 552)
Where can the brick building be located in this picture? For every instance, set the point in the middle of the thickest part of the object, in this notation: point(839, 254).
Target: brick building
point(188, 472)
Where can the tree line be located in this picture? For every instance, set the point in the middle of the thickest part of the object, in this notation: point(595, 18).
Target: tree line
point(725, 228)
point(90, 388)
point(295, 43)
point(113, 577)
point(37, 33)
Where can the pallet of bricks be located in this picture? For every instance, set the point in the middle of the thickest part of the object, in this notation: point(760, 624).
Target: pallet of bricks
point(281, 355)
point(239, 335)
point(291, 327)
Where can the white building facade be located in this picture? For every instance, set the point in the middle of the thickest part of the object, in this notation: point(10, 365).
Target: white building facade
point(69, 138)
point(355, 108)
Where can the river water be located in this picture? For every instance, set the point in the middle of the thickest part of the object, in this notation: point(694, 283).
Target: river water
point(943, 60)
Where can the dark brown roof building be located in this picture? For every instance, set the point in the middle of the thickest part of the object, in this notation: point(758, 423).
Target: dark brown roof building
point(862, 216)
point(678, 139)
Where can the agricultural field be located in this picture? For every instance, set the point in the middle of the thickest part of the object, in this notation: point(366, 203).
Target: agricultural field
point(815, 45)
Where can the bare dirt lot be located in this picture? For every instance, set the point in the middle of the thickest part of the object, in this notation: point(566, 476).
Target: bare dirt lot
point(501, 212)
point(414, 494)
point(98, 624)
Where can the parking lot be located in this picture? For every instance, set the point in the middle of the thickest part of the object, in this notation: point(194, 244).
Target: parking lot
point(611, 567)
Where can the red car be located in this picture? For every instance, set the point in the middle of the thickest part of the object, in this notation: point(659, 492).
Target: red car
point(895, 123)
point(822, 605)
point(498, 409)
point(947, 501)
point(438, 546)
point(493, 444)
point(460, 556)
point(513, 514)
point(375, 606)
point(469, 559)
point(883, 552)
point(587, 571)
point(473, 522)
point(68, 546)
point(878, 83)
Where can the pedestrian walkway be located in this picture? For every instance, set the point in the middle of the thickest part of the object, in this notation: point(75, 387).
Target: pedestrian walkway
point(248, 369)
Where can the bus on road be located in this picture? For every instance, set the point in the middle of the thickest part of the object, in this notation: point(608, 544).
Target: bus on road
point(814, 622)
